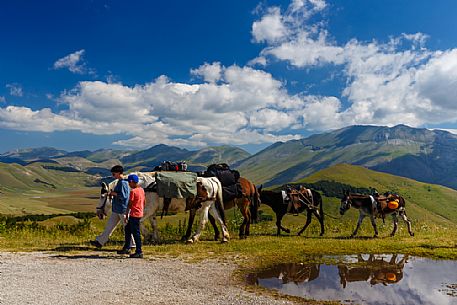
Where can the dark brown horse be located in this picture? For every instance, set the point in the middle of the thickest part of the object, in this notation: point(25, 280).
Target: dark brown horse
point(248, 204)
point(312, 204)
point(369, 206)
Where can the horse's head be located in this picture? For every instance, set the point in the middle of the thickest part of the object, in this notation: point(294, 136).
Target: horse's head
point(104, 200)
point(345, 203)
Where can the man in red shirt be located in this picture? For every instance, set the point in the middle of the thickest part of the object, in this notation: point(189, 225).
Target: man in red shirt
point(133, 217)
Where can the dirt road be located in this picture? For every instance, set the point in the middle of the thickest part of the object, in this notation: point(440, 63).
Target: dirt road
point(103, 278)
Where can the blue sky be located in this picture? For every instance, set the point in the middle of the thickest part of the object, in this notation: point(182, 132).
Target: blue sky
point(114, 74)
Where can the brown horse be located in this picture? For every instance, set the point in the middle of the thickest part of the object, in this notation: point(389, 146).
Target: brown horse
point(248, 204)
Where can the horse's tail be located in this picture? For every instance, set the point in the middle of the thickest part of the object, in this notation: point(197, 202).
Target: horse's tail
point(220, 200)
point(321, 208)
point(255, 204)
point(402, 201)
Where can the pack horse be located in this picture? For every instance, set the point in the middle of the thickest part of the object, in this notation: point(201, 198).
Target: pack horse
point(376, 206)
point(209, 198)
point(294, 202)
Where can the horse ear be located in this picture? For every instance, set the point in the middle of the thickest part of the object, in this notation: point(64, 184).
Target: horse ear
point(104, 188)
point(259, 189)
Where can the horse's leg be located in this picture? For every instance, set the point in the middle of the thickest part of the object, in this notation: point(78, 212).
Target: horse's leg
point(321, 220)
point(225, 234)
point(192, 213)
point(308, 221)
point(150, 209)
point(155, 229)
point(359, 222)
point(249, 219)
point(213, 223)
point(244, 228)
point(279, 226)
point(408, 222)
point(395, 220)
point(203, 221)
point(373, 223)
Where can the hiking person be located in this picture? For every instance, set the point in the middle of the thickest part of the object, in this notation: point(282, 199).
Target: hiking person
point(133, 216)
point(120, 196)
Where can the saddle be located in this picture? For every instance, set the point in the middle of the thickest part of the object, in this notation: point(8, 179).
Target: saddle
point(300, 199)
point(387, 202)
point(231, 187)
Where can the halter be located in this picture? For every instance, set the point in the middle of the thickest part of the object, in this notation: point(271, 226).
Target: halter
point(347, 203)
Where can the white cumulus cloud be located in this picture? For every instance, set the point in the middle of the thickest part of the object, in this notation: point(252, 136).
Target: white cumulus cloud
point(74, 62)
point(387, 83)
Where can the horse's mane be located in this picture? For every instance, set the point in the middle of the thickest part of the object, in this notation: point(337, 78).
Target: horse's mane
point(358, 195)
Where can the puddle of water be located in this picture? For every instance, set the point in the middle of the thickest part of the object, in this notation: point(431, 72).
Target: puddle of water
point(366, 279)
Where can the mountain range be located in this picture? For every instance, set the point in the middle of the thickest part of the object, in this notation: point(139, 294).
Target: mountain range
point(421, 154)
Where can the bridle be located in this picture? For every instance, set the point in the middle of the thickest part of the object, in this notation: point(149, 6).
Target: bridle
point(346, 204)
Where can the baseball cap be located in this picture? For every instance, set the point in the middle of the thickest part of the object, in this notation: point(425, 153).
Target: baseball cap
point(133, 178)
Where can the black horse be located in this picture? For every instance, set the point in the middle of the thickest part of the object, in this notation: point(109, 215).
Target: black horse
point(312, 204)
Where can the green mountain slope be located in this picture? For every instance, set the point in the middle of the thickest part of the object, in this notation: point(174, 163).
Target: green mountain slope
point(16, 178)
point(421, 154)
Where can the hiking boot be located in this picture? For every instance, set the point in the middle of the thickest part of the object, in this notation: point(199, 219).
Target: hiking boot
point(96, 244)
point(123, 251)
point(136, 255)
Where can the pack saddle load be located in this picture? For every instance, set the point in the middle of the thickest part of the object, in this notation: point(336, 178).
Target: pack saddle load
point(231, 187)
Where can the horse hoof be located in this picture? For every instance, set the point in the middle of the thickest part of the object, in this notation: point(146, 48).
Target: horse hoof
point(352, 236)
point(322, 234)
point(224, 240)
point(287, 231)
point(190, 241)
point(184, 238)
point(412, 234)
point(375, 236)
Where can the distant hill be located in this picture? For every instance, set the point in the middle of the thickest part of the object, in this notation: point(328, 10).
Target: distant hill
point(422, 154)
point(15, 178)
point(423, 201)
point(100, 161)
point(31, 154)
point(155, 155)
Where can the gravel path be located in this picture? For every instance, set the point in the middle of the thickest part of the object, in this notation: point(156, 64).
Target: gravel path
point(97, 278)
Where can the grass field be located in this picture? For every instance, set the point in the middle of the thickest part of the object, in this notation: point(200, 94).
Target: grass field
point(431, 208)
point(263, 247)
point(49, 201)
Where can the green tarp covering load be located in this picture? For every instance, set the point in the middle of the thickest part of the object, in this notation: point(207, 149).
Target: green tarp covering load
point(176, 184)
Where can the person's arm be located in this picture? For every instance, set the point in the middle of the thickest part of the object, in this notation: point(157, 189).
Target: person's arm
point(123, 192)
point(129, 206)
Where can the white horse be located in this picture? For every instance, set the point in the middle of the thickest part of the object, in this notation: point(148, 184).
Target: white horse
point(209, 196)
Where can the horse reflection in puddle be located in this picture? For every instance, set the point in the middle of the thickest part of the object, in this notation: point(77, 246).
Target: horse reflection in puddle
point(296, 273)
point(373, 270)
